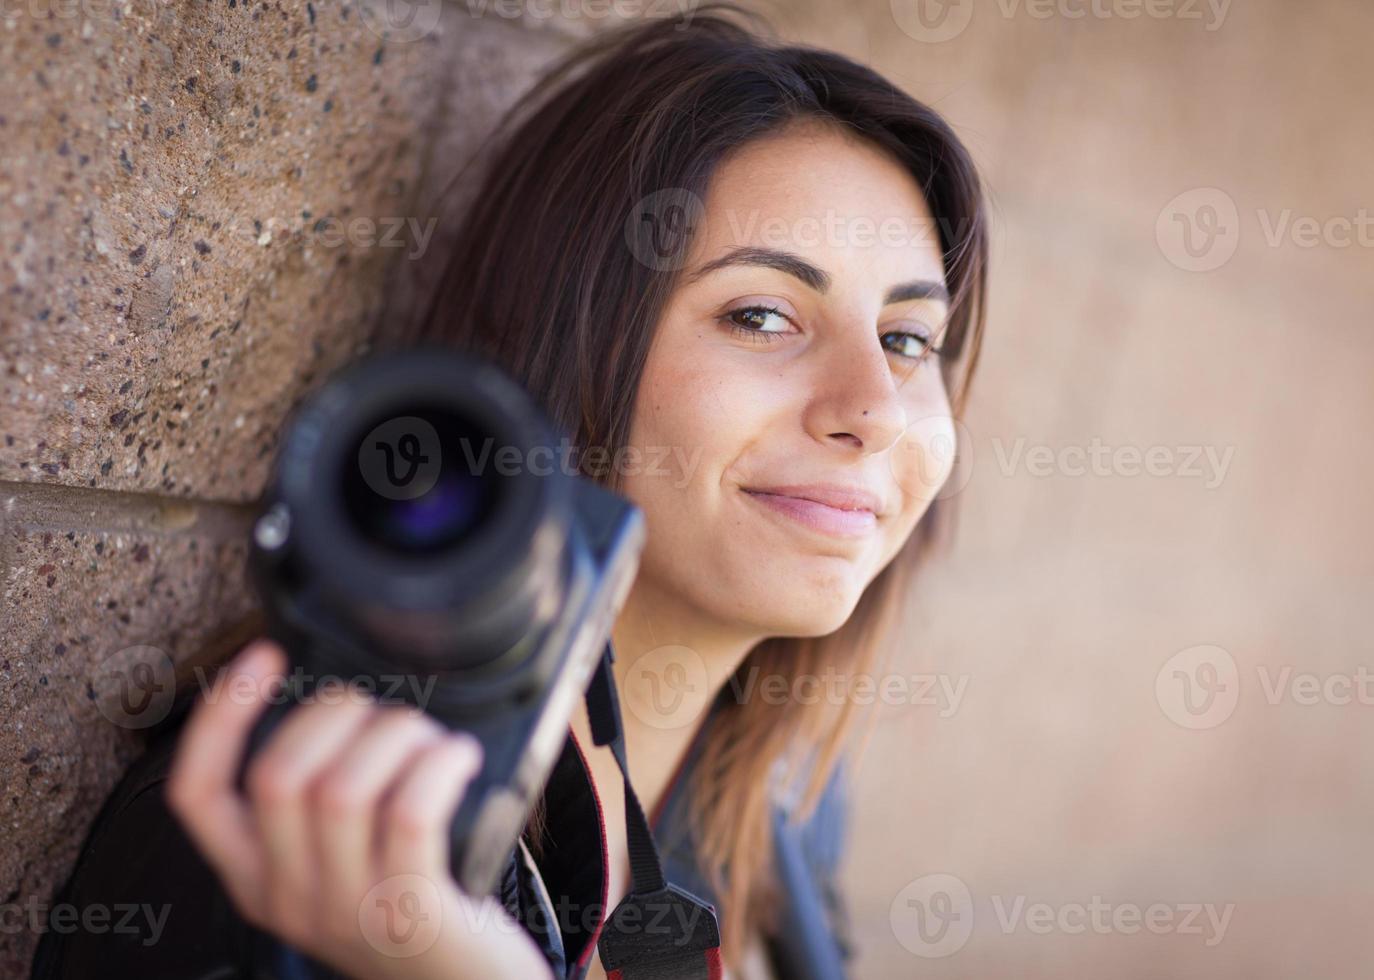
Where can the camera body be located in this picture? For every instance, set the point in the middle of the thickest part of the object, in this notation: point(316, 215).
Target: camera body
point(418, 538)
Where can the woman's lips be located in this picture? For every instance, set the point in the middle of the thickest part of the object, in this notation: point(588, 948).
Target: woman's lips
point(835, 521)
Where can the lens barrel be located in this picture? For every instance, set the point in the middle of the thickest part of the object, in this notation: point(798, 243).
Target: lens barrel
point(416, 504)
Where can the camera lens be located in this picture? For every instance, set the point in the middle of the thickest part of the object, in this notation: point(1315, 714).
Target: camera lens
point(420, 527)
point(419, 481)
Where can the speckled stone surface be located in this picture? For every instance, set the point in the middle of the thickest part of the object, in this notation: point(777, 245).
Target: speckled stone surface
point(82, 601)
point(204, 209)
point(165, 176)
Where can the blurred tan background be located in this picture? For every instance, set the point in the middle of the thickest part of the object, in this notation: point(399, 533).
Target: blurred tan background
point(1064, 774)
point(1148, 747)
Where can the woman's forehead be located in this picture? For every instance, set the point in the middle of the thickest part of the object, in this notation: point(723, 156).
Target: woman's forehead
point(844, 205)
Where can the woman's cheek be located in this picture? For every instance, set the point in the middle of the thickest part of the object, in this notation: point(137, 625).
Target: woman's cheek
point(673, 464)
point(670, 432)
point(695, 419)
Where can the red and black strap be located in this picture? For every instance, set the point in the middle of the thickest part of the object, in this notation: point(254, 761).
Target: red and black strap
point(658, 931)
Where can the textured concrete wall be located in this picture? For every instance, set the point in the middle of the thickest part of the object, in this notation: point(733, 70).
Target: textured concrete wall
point(185, 201)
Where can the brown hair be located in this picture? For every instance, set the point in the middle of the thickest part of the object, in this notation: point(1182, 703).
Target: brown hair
point(543, 280)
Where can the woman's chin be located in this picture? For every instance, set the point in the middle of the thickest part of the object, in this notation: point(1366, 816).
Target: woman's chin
point(818, 618)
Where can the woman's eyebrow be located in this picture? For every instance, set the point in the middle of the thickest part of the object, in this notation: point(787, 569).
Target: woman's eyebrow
point(818, 279)
point(918, 289)
point(772, 258)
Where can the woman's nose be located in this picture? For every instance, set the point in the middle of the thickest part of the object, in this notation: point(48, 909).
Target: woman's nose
point(856, 399)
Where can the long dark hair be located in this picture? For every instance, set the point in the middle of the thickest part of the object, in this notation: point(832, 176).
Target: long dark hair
point(543, 279)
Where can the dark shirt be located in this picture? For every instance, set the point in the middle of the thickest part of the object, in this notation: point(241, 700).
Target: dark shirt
point(138, 854)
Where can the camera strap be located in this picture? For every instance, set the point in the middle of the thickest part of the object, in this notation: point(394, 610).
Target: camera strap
point(658, 931)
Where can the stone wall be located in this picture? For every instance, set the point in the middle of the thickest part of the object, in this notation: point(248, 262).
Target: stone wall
point(204, 209)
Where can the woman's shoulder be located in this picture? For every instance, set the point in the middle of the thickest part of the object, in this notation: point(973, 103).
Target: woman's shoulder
point(822, 833)
point(814, 937)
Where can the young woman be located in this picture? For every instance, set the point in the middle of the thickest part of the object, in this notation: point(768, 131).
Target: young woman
point(760, 267)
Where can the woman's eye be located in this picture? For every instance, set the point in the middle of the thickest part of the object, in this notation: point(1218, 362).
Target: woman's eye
point(913, 345)
point(764, 323)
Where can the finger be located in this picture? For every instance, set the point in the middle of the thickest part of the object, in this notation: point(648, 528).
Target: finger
point(278, 784)
point(419, 810)
point(344, 799)
point(201, 788)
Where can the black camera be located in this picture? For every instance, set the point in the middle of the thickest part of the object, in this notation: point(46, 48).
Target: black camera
point(419, 536)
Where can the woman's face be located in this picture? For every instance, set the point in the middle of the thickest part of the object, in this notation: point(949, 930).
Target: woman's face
point(802, 445)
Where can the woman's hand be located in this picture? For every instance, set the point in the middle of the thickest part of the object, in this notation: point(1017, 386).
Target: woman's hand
point(341, 846)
